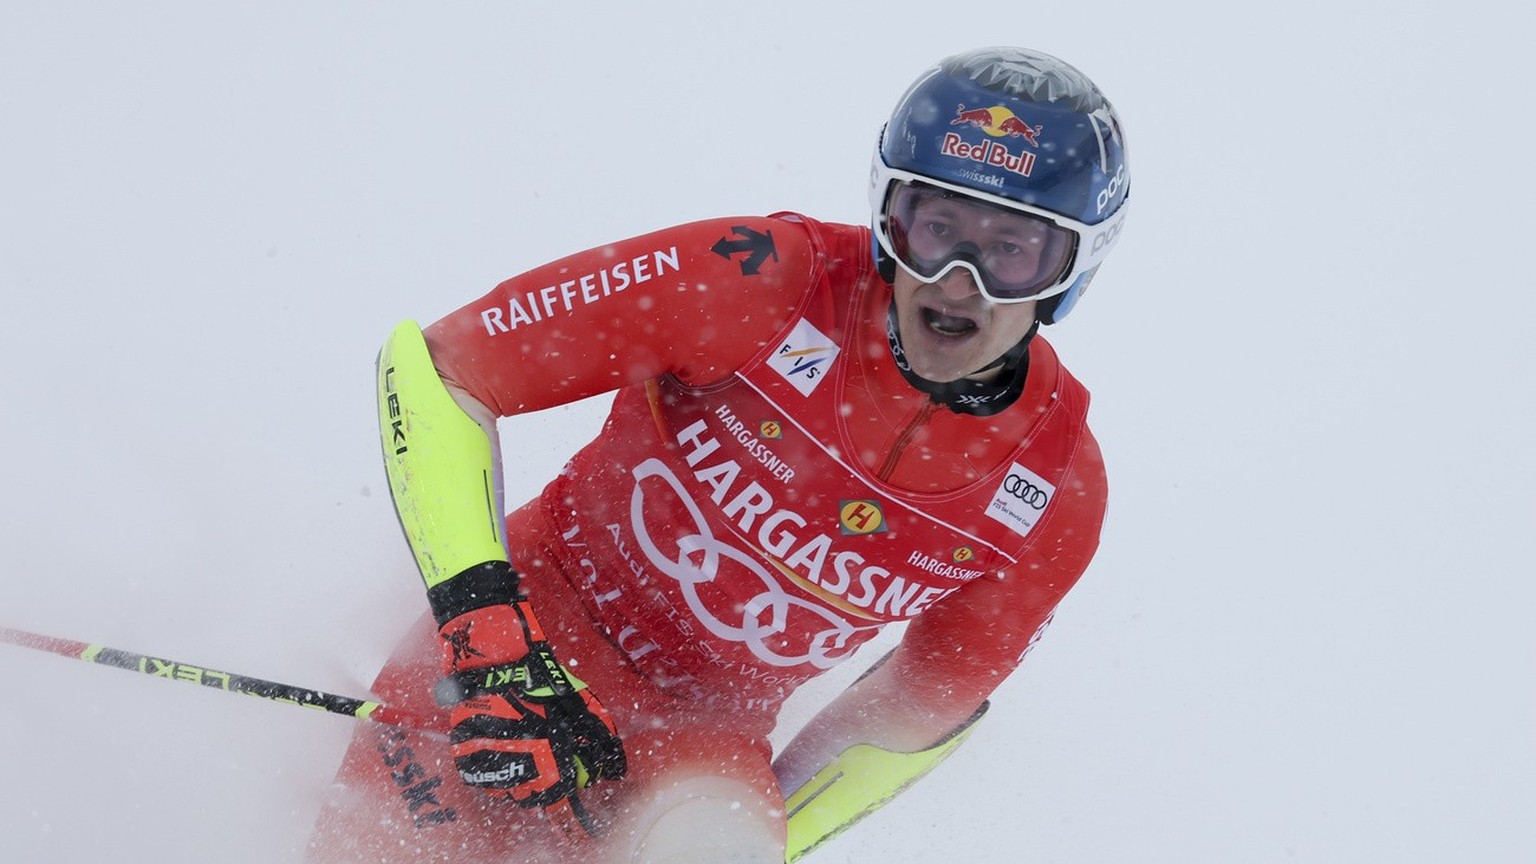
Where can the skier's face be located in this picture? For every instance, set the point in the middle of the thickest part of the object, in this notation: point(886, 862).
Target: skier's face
point(949, 330)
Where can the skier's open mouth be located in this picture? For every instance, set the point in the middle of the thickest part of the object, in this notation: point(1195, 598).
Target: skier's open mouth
point(949, 326)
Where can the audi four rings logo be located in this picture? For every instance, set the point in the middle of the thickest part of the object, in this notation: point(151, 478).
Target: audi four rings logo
point(1021, 499)
point(1027, 492)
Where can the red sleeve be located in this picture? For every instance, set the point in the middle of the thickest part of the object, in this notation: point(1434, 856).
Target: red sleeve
point(973, 639)
point(696, 301)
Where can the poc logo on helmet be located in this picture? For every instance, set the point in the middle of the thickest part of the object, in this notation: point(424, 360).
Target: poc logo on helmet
point(1105, 239)
point(1109, 192)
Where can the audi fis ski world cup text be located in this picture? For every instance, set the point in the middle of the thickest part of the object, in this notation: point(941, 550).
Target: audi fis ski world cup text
point(1021, 499)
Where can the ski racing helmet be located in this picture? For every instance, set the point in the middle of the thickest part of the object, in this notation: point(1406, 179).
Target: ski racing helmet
point(1011, 131)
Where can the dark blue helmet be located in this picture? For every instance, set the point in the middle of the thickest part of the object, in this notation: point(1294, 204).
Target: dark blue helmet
point(1013, 131)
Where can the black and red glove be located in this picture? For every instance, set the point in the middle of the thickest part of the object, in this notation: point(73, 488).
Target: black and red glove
point(525, 728)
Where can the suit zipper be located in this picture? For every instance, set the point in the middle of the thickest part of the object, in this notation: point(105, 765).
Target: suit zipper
point(919, 419)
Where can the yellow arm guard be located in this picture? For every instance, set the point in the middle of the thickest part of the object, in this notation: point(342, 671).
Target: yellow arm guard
point(859, 782)
point(440, 466)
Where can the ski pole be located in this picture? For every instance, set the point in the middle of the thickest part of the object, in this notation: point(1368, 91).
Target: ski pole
point(568, 811)
point(176, 670)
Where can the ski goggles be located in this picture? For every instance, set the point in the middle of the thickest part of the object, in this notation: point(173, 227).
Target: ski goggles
point(1013, 251)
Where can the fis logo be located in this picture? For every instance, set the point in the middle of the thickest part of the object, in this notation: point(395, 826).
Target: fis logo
point(998, 121)
point(804, 358)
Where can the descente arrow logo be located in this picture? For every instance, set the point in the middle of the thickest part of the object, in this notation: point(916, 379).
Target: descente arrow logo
point(757, 244)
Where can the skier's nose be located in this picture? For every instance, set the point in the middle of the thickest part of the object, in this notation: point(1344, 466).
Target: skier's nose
point(958, 284)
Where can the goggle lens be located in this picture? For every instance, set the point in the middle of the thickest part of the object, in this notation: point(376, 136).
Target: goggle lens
point(1017, 254)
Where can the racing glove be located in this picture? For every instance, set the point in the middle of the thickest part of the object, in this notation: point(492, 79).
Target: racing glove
point(525, 728)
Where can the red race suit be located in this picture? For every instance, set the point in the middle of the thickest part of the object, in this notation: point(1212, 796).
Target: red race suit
point(767, 493)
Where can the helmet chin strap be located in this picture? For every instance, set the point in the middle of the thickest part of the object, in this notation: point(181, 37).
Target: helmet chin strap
point(967, 395)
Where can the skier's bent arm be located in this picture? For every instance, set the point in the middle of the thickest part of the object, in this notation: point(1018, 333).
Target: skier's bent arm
point(440, 392)
point(919, 703)
point(907, 714)
point(442, 467)
point(930, 685)
point(877, 738)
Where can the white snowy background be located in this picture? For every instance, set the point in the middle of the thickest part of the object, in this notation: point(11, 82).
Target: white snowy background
point(1307, 636)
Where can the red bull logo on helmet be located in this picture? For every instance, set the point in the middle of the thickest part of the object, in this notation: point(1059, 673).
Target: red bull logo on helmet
point(1001, 125)
point(998, 121)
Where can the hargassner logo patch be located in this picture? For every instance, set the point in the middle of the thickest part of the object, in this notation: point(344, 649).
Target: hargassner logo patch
point(1021, 499)
point(804, 357)
point(861, 516)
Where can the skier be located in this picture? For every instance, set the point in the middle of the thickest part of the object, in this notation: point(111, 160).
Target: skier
point(819, 430)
